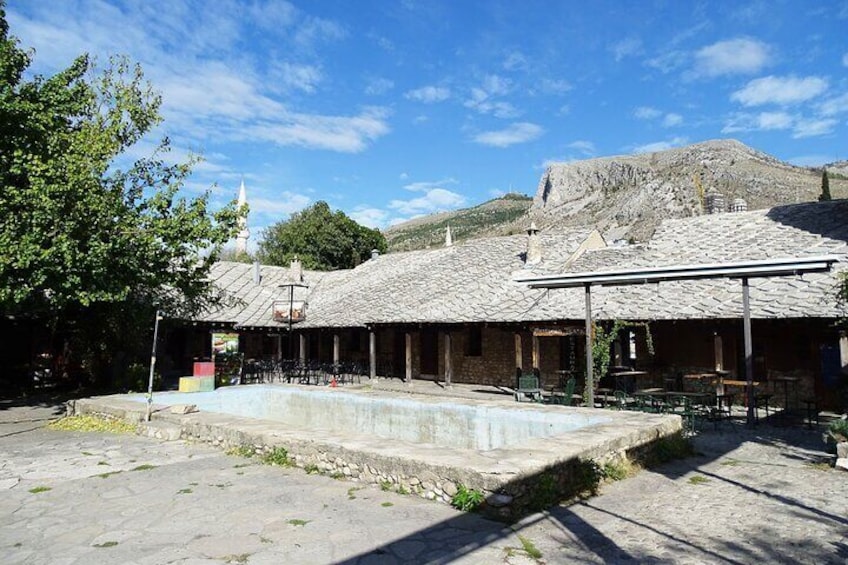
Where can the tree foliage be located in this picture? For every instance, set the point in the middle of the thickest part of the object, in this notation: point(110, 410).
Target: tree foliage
point(86, 233)
point(323, 240)
point(825, 187)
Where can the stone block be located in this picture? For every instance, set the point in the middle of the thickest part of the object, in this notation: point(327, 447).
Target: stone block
point(197, 384)
point(183, 408)
point(842, 450)
point(842, 463)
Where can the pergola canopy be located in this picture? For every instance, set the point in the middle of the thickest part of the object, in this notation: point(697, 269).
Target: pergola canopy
point(734, 270)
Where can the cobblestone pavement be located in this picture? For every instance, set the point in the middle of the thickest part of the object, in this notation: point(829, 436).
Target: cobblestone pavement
point(749, 496)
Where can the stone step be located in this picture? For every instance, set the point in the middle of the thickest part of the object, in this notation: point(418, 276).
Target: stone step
point(160, 430)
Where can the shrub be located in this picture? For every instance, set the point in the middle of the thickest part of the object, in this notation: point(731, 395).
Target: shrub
point(466, 499)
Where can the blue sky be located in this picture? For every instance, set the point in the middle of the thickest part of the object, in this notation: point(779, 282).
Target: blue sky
point(392, 109)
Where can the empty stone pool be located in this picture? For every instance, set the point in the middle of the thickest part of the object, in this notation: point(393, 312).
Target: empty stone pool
point(415, 443)
point(440, 422)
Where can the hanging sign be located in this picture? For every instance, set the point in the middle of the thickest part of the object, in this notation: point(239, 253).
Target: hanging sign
point(225, 343)
point(282, 308)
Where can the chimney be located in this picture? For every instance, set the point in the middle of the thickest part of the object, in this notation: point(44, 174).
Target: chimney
point(375, 253)
point(534, 245)
point(257, 273)
point(714, 202)
point(739, 205)
point(296, 268)
point(448, 238)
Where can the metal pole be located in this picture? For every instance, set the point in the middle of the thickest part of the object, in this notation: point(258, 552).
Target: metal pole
point(749, 355)
point(152, 365)
point(291, 312)
point(590, 381)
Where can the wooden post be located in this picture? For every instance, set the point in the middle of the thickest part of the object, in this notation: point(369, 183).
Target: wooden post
point(448, 360)
point(749, 353)
point(372, 354)
point(336, 346)
point(719, 352)
point(408, 376)
point(519, 355)
point(590, 379)
point(302, 352)
point(535, 354)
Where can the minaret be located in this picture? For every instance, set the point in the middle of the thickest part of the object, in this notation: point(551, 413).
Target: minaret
point(244, 233)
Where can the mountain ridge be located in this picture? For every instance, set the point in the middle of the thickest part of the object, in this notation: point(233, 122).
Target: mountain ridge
point(627, 196)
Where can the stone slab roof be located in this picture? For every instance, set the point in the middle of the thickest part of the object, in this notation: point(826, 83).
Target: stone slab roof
point(799, 230)
point(473, 281)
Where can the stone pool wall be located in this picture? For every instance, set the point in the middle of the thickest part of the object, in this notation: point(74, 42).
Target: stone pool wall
point(513, 481)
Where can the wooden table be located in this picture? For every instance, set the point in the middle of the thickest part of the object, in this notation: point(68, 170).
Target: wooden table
point(627, 379)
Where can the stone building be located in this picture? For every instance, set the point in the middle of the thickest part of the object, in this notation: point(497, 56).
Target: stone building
point(458, 311)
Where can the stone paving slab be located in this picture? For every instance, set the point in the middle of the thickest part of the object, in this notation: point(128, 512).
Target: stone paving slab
point(762, 496)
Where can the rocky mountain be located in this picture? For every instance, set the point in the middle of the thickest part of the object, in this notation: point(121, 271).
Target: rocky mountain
point(495, 217)
point(626, 196)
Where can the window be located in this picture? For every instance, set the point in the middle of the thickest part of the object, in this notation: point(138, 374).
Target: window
point(474, 344)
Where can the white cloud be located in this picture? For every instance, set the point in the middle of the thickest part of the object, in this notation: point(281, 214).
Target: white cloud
point(377, 86)
point(515, 61)
point(813, 127)
point(297, 77)
point(628, 47)
point(482, 96)
point(834, 106)
point(427, 186)
point(583, 146)
point(660, 145)
point(434, 200)
point(280, 207)
point(668, 61)
point(671, 120)
point(428, 94)
point(779, 90)
point(370, 217)
point(756, 122)
point(347, 134)
point(646, 113)
point(555, 86)
point(520, 132)
point(732, 56)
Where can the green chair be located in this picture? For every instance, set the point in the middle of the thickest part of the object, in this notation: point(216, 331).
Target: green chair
point(564, 397)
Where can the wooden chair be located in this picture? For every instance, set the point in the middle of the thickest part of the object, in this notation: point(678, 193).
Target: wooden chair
point(528, 388)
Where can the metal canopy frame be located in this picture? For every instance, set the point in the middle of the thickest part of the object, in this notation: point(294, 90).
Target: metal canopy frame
point(743, 270)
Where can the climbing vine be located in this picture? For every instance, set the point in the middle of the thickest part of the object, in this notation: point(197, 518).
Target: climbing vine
point(602, 340)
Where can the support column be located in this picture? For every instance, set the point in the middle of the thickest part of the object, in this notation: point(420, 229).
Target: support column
point(448, 360)
point(590, 379)
point(408, 375)
point(336, 347)
point(372, 354)
point(749, 350)
point(302, 352)
point(718, 347)
point(535, 351)
point(280, 346)
point(519, 354)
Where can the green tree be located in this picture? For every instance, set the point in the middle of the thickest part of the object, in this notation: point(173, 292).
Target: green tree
point(92, 241)
point(323, 240)
point(825, 193)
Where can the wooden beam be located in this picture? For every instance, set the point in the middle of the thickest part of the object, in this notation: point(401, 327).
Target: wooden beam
point(336, 347)
point(519, 354)
point(448, 360)
point(408, 376)
point(372, 354)
point(590, 379)
point(302, 352)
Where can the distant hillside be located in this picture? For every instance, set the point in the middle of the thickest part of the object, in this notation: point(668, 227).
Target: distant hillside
point(626, 196)
point(495, 217)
